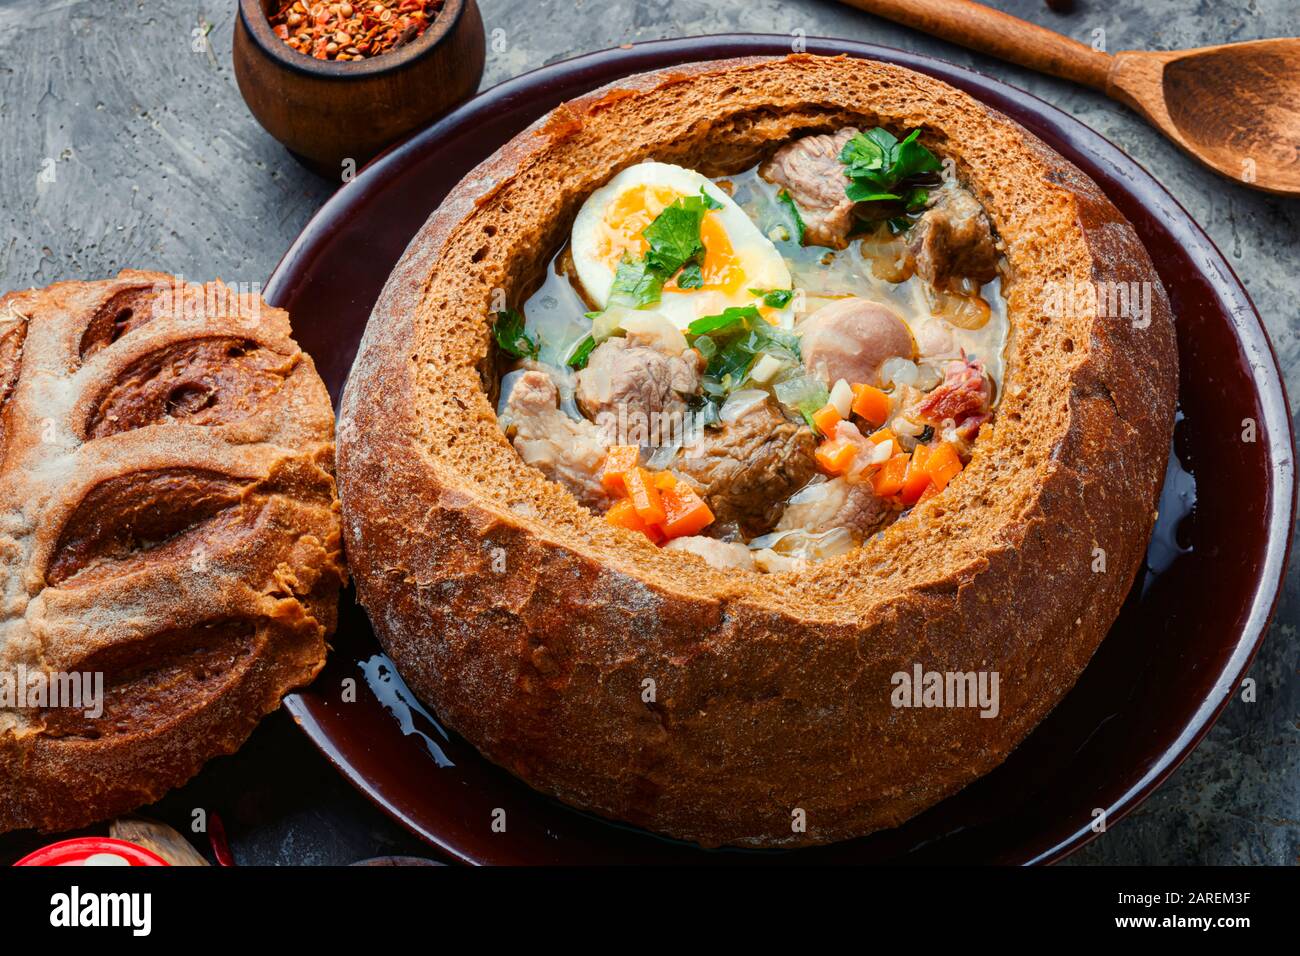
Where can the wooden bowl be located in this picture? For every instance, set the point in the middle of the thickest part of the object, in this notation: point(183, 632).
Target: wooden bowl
point(328, 112)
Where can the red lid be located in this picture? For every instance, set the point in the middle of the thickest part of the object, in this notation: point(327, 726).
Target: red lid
point(92, 851)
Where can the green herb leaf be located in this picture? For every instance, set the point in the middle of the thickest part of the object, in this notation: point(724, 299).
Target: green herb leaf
point(786, 200)
point(736, 315)
point(579, 354)
point(709, 201)
point(635, 284)
point(866, 192)
point(774, 298)
point(674, 236)
point(511, 337)
point(690, 277)
point(910, 158)
point(878, 167)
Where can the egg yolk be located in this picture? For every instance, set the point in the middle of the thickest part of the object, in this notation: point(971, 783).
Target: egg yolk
point(634, 209)
point(630, 212)
point(721, 268)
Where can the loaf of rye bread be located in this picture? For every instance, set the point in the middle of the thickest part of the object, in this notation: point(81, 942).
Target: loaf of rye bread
point(730, 707)
point(169, 527)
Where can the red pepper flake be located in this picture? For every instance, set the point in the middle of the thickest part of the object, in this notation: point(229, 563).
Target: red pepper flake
point(352, 31)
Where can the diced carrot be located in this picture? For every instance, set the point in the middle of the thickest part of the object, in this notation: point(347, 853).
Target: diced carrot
point(888, 480)
point(665, 480)
point(826, 418)
point(618, 461)
point(930, 492)
point(917, 478)
point(624, 515)
point(643, 494)
point(943, 464)
point(836, 455)
point(685, 512)
point(880, 435)
point(872, 404)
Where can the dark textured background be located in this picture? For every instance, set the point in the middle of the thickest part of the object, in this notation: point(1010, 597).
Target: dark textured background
point(157, 164)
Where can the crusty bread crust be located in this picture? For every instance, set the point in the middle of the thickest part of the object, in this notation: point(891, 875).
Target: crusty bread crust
point(168, 520)
point(646, 686)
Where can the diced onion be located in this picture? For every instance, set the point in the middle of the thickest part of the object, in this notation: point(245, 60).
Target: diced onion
point(655, 329)
point(765, 369)
point(608, 322)
point(927, 377)
point(814, 491)
point(738, 403)
point(798, 543)
point(905, 426)
point(842, 398)
point(898, 371)
point(662, 457)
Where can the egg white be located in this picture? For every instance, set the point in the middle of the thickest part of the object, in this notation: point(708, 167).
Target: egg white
point(760, 265)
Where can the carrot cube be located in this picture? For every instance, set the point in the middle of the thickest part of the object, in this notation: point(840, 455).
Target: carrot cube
point(643, 494)
point(888, 480)
point(826, 418)
point(943, 465)
point(624, 515)
point(685, 512)
point(917, 478)
point(835, 456)
point(618, 461)
point(872, 404)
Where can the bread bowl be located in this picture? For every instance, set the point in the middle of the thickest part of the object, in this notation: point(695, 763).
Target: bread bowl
point(171, 536)
point(736, 707)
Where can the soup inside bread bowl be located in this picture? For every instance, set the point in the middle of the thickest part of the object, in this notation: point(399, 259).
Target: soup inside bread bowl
point(666, 671)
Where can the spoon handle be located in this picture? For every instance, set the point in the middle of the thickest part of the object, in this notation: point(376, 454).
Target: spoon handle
point(999, 34)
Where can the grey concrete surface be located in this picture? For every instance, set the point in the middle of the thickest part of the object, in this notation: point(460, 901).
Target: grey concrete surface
point(124, 142)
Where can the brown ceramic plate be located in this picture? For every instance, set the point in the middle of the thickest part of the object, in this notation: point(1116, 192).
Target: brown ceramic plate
point(1183, 642)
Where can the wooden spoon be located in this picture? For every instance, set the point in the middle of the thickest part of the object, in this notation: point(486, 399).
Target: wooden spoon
point(1234, 107)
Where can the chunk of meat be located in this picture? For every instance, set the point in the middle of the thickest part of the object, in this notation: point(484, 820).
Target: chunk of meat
point(961, 402)
point(564, 449)
point(953, 240)
point(851, 338)
point(809, 169)
point(721, 554)
point(837, 503)
point(622, 377)
point(746, 469)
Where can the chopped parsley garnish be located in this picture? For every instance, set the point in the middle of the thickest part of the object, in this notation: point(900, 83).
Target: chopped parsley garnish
point(879, 168)
point(635, 284)
point(674, 236)
point(511, 337)
point(774, 298)
point(691, 277)
point(675, 244)
point(786, 200)
point(580, 352)
point(736, 315)
point(731, 342)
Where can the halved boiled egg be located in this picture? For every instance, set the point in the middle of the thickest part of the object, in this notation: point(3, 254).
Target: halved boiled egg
point(737, 256)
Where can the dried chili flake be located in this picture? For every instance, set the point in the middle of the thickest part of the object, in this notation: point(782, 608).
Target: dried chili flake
point(352, 31)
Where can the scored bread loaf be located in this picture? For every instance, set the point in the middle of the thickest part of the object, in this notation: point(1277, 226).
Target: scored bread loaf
point(736, 707)
point(169, 527)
